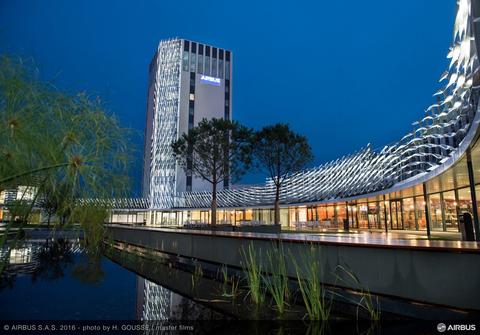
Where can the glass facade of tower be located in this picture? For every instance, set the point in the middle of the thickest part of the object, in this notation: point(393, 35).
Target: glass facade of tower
point(188, 81)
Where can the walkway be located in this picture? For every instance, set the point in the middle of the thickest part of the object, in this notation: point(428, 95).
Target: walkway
point(397, 239)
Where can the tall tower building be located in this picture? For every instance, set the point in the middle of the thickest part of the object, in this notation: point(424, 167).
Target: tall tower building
point(188, 81)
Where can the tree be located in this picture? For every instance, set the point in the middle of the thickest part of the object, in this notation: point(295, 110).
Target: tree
point(214, 150)
point(280, 151)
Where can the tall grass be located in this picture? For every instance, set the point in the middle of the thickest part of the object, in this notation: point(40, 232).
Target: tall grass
point(277, 283)
point(367, 302)
point(227, 281)
point(309, 277)
point(253, 271)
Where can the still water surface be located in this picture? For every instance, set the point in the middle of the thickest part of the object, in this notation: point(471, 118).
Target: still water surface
point(45, 281)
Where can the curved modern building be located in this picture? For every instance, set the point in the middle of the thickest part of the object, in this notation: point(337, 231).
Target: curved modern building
point(425, 181)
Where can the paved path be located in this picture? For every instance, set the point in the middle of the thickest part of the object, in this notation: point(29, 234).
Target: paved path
point(364, 239)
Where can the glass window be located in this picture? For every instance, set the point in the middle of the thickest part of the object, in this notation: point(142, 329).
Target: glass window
point(362, 211)
point(193, 62)
point(214, 67)
point(352, 216)
point(435, 211)
point(227, 69)
point(311, 214)
point(265, 216)
point(322, 213)
point(200, 64)
point(226, 114)
point(450, 207)
point(195, 216)
point(383, 213)
point(420, 212)
point(341, 215)
point(477, 194)
point(292, 212)
point(409, 214)
point(465, 200)
point(239, 216)
point(207, 65)
point(185, 61)
point(220, 68)
point(248, 215)
point(302, 214)
point(331, 216)
point(221, 217)
point(257, 215)
point(284, 217)
point(372, 215)
point(231, 216)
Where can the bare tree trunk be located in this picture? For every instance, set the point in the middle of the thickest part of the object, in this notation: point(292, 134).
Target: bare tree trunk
point(277, 205)
point(213, 219)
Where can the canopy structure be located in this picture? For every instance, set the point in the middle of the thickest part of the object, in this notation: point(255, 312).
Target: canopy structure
point(437, 139)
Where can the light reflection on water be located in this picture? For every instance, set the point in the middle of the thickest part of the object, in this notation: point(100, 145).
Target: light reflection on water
point(57, 280)
point(155, 302)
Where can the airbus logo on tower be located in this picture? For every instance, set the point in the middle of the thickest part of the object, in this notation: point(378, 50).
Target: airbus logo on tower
point(210, 80)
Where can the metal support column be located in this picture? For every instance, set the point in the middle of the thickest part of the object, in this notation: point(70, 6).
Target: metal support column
point(346, 226)
point(385, 213)
point(427, 212)
point(473, 194)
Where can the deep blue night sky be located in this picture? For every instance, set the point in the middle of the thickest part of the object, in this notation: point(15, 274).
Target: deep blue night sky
point(344, 73)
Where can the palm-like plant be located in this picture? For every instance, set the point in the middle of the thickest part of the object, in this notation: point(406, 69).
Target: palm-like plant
point(60, 147)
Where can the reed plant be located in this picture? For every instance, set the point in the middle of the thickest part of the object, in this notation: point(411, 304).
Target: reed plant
point(367, 302)
point(227, 281)
point(277, 282)
point(253, 271)
point(309, 277)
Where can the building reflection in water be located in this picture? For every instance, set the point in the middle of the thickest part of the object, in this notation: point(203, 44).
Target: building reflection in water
point(31, 255)
point(157, 303)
